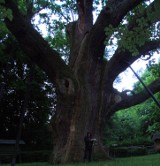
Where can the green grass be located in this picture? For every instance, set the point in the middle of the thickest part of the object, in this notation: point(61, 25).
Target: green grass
point(149, 160)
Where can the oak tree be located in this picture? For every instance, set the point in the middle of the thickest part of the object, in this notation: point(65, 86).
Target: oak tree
point(86, 97)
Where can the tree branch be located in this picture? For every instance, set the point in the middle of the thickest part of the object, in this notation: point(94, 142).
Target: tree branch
point(119, 58)
point(39, 50)
point(30, 8)
point(77, 30)
point(112, 14)
point(85, 20)
point(29, 5)
point(137, 98)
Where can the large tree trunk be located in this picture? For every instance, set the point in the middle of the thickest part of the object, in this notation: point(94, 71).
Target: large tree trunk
point(70, 126)
point(83, 112)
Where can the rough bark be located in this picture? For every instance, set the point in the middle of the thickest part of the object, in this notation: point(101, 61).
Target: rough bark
point(85, 94)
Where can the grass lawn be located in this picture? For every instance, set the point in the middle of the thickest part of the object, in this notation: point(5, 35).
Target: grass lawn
point(149, 160)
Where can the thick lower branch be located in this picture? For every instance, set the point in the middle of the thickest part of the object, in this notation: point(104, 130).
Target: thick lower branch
point(39, 50)
point(112, 14)
point(120, 58)
point(137, 98)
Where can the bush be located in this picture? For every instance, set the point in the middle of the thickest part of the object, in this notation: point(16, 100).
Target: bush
point(138, 141)
point(38, 156)
point(127, 151)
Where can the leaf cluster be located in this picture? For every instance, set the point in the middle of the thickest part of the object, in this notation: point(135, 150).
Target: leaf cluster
point(129, 37)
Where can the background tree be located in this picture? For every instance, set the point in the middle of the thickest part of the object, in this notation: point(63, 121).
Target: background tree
point(124, 128)
point(24, 87)
point(137, 124)
point(84, 87)
point(149, 111)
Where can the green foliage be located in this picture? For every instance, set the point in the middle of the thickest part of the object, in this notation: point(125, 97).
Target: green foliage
point(4, 13)
point(149, 116)
point(137, 124)
point(55, 16)
point(130, 37)
point(123, 128)
point(59, 43)
point(22, 5)
point(34, 6)
point(151, 74)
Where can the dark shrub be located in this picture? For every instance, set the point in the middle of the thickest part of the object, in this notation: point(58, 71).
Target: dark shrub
point(127, 151)
point(38, 156)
